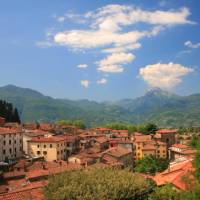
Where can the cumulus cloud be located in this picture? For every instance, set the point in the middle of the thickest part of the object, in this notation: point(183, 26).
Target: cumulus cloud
point(113, 63)
point(191, 45)
point(165, 76)
point(102, 81)
point(106, 30)
point(82, 66)
point(85, 83)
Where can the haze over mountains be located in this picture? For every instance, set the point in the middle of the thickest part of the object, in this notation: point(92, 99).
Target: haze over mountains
point(157, 106)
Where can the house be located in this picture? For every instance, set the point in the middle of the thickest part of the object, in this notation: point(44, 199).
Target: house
point(146, 145)
point(102, 143)
point(118, 155)
point(167, 136)
point(30, 134)
point(121, 134)
point(53, 148)
point(10, 144)
point(179, 174)
point(86, 157)
point(180, 150)
point(30, 126)
point(102, 131)
point(128, 144)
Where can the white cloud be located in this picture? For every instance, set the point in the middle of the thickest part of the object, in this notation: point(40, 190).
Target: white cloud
point(106, 31)
point(83, 66)
point(92, 39)
point(61, 19)
point(85, 83)
point(113, 63)
point(191, 45)
point(122, 48)
point(102, 81)
point(111, 68)
point(164, 75)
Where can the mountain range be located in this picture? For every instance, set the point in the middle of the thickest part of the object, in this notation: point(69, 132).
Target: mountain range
point(156, 106)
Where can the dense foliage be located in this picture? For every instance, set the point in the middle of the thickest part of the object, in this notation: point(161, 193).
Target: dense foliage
point(165, 193)
point(8, 112)
point(151, 165)
point(77, 123)
point(98, 184)
point(157, 107)
point(148, 128)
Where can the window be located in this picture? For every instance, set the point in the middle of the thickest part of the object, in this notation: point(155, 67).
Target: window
point(44, 146)
point(44, 152)
point(4, 151)
point(10, 142)
point(15, 150)
point(158, 151)
point(50, 145)
point(58, 152)
point(15, 141)
point(4, 142)
point(38, 146)
point(38, 152)
point(10, 150)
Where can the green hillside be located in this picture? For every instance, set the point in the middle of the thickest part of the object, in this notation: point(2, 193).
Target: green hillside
point(161, 107)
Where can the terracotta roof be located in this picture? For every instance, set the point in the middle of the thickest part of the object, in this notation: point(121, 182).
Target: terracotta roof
point(67, 138)
point(33, 191)
point(167, 131)
point(101, 140)
point(8, 131)
point(117, 151)
point(102, 129)
point(142, 138)
point(181, 146)
point(48, 139)
point(46, 127)
point(37, 132)
point(174, 174)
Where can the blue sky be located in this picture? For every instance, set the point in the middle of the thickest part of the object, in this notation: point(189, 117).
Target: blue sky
point(100, 50)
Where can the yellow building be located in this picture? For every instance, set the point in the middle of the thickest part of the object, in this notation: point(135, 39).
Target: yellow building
point(145, 145)
point(52, 148)
point(10, 144)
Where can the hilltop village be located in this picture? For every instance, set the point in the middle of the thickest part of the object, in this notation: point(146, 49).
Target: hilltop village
point(30, 153)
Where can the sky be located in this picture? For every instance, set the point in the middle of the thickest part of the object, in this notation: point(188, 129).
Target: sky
point(101, 49)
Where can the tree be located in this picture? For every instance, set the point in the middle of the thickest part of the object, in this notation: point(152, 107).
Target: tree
point(196, 164)
point(151, 165)
point(98, 184)
point(78, 123)
point(151, 128)
point(165, 193)
point(8, 112)
point(195, 142)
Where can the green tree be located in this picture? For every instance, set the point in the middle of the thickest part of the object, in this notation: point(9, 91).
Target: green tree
point(196, 164)
point(195, 142)
point(151, 165)
point(78, 123)
point(97, 184)
point(165, 193)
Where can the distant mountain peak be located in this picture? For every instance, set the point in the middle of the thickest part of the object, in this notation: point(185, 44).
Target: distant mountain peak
point(156, 91)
